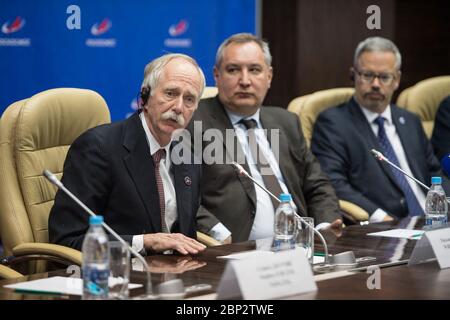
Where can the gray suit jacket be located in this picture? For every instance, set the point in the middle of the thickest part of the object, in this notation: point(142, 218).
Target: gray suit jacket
point(231, 199)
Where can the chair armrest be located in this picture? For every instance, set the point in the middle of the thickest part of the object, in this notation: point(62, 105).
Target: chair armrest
point(65, 253)
point(358, 213)
point(8, 273)
point(207, 240)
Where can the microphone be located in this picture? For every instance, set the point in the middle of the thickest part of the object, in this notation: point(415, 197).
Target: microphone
point(379, 156)
point(243, 172)
point(54, 180)
point(445, 164)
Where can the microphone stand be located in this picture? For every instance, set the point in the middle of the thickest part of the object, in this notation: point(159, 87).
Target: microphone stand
point(54, 180)
point(241, 170)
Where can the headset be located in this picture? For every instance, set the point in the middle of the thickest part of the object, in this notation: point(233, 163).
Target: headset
point(144, 95)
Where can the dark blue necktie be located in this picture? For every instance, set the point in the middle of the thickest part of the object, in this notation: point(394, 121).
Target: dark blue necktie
point(414, 208)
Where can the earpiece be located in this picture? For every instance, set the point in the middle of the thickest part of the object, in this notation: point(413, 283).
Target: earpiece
point(145, 93)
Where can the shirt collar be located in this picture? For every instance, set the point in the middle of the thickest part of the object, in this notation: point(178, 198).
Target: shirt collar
point(371, 116)
point(236, 117)
point(152, 143)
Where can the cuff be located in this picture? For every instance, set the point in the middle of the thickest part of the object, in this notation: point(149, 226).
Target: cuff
point(138, 244)
point(378, 215)
point(219, 232)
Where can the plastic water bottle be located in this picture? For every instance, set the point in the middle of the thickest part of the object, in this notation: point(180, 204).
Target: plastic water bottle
point(436, 207)
point(285, 224)
point(95, 267)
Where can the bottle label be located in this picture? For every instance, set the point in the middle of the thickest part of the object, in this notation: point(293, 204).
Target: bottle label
point(95, 281)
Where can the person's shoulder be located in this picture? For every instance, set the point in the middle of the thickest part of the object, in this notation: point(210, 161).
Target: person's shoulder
point(402, 112)
point(103, 133)
point(278, 112)
point(335, 113)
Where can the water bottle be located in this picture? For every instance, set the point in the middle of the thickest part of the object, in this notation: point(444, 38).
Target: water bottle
point(285, 224)
point(95, 266)
point(435, 205)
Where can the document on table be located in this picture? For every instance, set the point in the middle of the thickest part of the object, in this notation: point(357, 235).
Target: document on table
point(55, 285)
point(259, 253)
point(399, 233)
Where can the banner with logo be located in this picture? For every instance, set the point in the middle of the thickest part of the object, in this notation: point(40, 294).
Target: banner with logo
point(104, 45)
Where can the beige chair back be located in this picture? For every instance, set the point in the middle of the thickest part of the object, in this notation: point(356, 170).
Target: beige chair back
point(424, 98)
point(309, 107)
point(35, 134)
point(209, 92)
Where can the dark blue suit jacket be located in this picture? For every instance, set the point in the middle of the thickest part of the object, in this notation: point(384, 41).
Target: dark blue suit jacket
point(110, 169)
point(441, 132)
point(342, 140)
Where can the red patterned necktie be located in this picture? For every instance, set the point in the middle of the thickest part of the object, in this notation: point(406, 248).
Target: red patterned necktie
point(157, 156)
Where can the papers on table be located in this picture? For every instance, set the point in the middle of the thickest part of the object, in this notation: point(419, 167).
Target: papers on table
point(399, 233)
point(259, 253)
point(55, 285)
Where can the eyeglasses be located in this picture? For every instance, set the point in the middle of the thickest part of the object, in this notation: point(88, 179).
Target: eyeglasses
point(369, 77)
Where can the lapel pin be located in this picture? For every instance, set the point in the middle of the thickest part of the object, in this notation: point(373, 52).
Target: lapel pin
point(401, 120)
point(187, 181)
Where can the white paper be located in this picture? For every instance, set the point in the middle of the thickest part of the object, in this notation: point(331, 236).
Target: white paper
point(259, 253)
point(399, 233)
point(57, 285)
point(267, 276)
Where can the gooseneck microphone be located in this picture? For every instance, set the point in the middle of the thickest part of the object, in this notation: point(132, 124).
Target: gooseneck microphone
point(242, 171)
point(54, 180)
point(379, 156)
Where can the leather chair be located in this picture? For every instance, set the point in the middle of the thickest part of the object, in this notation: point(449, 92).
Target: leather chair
point(308, 108)
point(209, 92)
point(424, 98)
point(8, 273)
point(35, 134)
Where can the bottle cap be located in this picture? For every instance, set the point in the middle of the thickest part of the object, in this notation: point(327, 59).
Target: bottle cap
point(436, 180)
point(96, 220)
point(285, 197)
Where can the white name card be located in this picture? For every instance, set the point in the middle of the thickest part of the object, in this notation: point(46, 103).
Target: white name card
point(434, 244)
point(281, 274)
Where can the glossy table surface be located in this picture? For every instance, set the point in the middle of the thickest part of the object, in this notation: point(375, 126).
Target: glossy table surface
point(425, 281)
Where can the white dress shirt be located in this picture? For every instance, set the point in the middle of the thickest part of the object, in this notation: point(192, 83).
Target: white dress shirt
point(396, 143)
point(168, 184)
point(263, 225)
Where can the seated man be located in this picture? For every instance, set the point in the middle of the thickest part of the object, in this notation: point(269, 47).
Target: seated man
point(124, 170)
point(441, 132)
point(243, 74)
point(343, 137)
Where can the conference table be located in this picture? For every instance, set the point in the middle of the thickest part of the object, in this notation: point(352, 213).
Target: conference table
point(397, 279)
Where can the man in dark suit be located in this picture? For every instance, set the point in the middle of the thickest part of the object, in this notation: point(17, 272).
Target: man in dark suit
point(441, 132)
point(343, 137)
point(124, 170)
point(239, 210)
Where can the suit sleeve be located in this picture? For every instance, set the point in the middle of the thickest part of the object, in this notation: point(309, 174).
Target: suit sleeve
point(441, 132)
point(87, 175)
point(320, 197)
point(329, 146)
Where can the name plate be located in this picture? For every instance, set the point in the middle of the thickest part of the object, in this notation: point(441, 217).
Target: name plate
point(282, 274)
point(434, 244)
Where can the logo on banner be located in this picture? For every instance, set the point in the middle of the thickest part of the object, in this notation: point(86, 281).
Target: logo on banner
point(98, 29)
point(17, 24)
point(176, 30)
point(12, 27)
point(102, 27)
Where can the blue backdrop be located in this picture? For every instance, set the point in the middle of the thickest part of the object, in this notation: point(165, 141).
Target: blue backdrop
point(116, 40)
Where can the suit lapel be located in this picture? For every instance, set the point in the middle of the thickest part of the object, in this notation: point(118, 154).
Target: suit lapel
point(365, 130)
point(405, 137)
point(182, 175)
point(220, 121)
point(274, 131)
point(141, 168)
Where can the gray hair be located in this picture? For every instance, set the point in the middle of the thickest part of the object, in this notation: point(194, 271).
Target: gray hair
point(244, 38)
point(153, 70)
point(378, 44)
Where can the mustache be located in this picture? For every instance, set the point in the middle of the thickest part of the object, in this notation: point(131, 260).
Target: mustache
point(378, 93)
point(171, 115)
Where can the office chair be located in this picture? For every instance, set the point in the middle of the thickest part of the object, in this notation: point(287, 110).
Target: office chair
point(8, 273)
point(308, 108)
point(209, 92)
point(35, 134)
point(424, 98)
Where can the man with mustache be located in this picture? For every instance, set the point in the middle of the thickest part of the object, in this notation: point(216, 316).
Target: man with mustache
point(125, 171)
point(343, 137)
point(237, 209)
